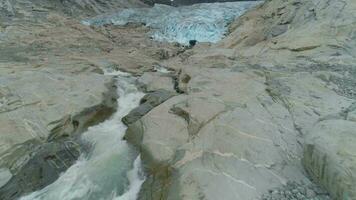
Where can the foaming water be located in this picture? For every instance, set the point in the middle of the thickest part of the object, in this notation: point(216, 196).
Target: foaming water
point(112, 170)
point(206, 22)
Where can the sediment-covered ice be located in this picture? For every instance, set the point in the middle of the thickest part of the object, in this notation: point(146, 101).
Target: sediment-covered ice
point(205, 22)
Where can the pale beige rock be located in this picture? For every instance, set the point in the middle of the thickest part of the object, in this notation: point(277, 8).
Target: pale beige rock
point(317, 32)
point(329, 157)
point(232, 121)
point(286, 66)
point(159, 131)
point(40, 106)
point(281, 82)
point(152, 81)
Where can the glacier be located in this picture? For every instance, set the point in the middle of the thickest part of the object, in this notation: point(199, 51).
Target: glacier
point(206, 22)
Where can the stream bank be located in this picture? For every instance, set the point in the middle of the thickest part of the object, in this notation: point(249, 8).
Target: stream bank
point(269, 108)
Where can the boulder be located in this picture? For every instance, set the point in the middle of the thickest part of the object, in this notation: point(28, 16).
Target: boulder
point(152, 81)
point(148, 102)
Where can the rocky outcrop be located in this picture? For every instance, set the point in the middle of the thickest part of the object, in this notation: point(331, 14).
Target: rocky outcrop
point(148, 102)
point(153, 81)
point(74, 8)
point(42, 113)
point(260, 114)
point(52, 85)
point(232, 128)
point(303, 35)
point(186, 2)
point(258, 109)
point(329, 156)
point(44, 165)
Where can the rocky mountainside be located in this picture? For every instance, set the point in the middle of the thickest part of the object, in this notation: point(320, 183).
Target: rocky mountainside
point(23, 8)
point(269, 112)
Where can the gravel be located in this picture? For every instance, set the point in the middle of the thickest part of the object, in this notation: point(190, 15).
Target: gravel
point(297, 191)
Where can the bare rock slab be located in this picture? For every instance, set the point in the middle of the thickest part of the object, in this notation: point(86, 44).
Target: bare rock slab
point(330, 157)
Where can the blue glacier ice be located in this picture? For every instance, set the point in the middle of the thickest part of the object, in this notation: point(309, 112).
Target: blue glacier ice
point(206, 22)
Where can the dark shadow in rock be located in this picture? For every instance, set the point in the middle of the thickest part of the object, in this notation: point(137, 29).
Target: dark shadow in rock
point(148, 102)
point(44, 167)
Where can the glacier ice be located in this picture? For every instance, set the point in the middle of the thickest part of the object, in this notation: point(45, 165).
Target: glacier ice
point(206, 22)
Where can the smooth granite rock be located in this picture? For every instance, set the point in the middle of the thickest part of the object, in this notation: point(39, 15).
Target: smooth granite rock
point(264, 107)
point(148, 102)
point(329, 156)
point(268, 109)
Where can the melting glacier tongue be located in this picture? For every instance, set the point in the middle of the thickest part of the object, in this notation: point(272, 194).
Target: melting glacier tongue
point(205, 22)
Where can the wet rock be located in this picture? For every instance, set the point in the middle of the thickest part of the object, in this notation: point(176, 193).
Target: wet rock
point(182, 81)
point(148, 102)
point(52, 85)
point(5, 176)
point(44, 166)
point(38, 130)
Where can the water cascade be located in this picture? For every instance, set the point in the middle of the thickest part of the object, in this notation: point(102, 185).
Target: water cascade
point(112, 170)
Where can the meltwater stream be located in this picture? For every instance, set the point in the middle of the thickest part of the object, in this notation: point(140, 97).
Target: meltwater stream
point(112, 171)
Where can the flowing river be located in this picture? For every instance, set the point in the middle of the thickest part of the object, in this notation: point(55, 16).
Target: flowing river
point(112, 170)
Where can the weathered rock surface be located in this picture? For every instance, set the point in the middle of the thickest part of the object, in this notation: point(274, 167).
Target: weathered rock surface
point(11, 8)
point(153, 81)
point(253, 106)
point(44, 166)
point(148, 102)
point(5, 176)
point(185, 2)
point(276, 97)
point(52, 85)
point(222, 131)
point(329, 156)
point(41, 113)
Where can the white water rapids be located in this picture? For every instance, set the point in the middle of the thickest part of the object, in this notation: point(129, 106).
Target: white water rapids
point(111, 171)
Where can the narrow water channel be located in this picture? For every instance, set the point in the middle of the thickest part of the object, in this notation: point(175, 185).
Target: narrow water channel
point(112, 170)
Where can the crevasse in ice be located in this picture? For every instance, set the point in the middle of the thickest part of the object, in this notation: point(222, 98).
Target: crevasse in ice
point(205, 22)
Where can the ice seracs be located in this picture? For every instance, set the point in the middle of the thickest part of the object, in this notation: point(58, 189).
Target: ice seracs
point(205, 22)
